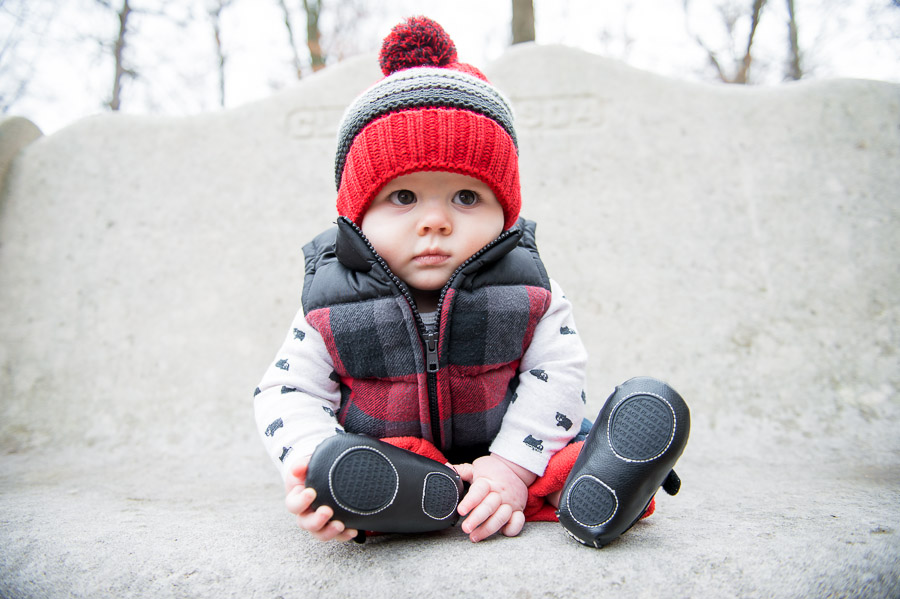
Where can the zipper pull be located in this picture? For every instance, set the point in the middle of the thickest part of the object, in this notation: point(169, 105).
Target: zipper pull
point(431, 353)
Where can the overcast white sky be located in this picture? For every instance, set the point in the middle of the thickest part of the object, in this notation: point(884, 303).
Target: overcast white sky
point(72, 76)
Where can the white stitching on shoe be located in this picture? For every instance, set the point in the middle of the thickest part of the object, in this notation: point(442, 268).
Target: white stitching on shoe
point(575, 484)
point(331, 478)
point(571, 534)
point(671, 437)
point(425, 487)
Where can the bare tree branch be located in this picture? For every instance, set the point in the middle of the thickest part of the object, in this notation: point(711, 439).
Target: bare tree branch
point(729, 20)
point(713, 60)
point(710, 53)
point(215, 14)
point(290, 31)
point(13, 37)
point(118, 54)
point(743, 73)
point(18, 60)
point(349, 32)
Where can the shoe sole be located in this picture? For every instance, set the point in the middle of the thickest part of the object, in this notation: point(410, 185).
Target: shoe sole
point(375, 486)
point(364, 481)
point(640, 431)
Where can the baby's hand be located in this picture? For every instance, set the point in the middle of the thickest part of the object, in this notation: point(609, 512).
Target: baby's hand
point(496, 499)
point(299, 500)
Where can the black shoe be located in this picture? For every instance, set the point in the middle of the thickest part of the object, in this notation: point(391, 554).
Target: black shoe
point(374, 486)
point(639, 435)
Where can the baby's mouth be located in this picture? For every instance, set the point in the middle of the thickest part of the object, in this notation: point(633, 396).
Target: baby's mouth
point(431, 258)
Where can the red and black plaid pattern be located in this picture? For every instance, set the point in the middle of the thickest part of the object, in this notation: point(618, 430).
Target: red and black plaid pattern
point(378, 354)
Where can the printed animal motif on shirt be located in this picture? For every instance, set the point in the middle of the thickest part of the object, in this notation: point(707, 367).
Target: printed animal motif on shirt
point(535, 444)
point(270, 430)
point(328, 411)
point(540, 374)
point(282, 364)
point(567, 331)
point(299, 335)
point(563, 421)
point(284, 453)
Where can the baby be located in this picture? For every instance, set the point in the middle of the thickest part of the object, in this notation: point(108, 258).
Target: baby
point(432, 349)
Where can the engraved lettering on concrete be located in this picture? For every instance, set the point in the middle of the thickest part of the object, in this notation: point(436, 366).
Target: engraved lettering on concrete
point(556, 113)
point(320, 121)
point(560, 112)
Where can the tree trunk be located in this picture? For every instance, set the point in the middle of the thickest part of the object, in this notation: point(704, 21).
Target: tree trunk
point(313, 9)
point(794, 73)
point(215, 14)
point(522, 21)
point(118, 52)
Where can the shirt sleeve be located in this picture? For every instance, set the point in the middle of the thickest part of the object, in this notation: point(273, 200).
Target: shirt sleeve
point(548, 407)
point(297, 400)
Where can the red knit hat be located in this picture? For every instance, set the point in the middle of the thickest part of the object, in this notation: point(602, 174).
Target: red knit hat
point(429, 113)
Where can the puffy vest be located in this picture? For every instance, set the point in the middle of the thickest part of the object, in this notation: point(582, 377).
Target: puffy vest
point(451, 387)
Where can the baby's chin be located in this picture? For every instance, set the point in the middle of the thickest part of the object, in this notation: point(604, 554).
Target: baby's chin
point(429, 281)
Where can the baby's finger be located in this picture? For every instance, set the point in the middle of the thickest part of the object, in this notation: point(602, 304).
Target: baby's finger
point(482, 512)
point(465, 471)
point(515, 525)
point(332, 530)
point(475, 496)
point(317, 520)
point(298, 472)
point(348, 535)
point(492, 524)
point(299, 500)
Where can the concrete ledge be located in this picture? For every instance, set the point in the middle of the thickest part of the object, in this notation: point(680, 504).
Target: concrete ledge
point(740, 243)
point(15, 133)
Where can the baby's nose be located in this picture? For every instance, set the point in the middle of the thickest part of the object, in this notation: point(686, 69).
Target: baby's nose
point(434, 218)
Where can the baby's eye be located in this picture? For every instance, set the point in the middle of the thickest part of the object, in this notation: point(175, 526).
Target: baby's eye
point(466, 197)
point(403, 197)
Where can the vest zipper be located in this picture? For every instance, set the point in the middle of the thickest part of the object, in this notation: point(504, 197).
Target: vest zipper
point(431, 369)
point(431, 352)
point(429, 339)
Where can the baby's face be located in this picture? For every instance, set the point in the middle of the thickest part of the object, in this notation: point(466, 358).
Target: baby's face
point(426, 224)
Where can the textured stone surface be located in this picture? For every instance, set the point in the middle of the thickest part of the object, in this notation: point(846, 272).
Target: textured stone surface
point(740, 243)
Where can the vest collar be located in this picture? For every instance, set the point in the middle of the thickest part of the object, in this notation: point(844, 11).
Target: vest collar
point(351, 247)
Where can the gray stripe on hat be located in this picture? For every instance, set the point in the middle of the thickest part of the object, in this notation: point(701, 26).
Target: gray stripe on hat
point(421, 87)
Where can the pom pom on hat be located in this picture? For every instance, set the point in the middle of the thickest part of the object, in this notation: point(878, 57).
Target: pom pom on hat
point(429, 113)
point(417, 42)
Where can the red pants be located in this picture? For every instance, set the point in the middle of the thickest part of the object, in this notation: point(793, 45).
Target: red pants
point(537, 509)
